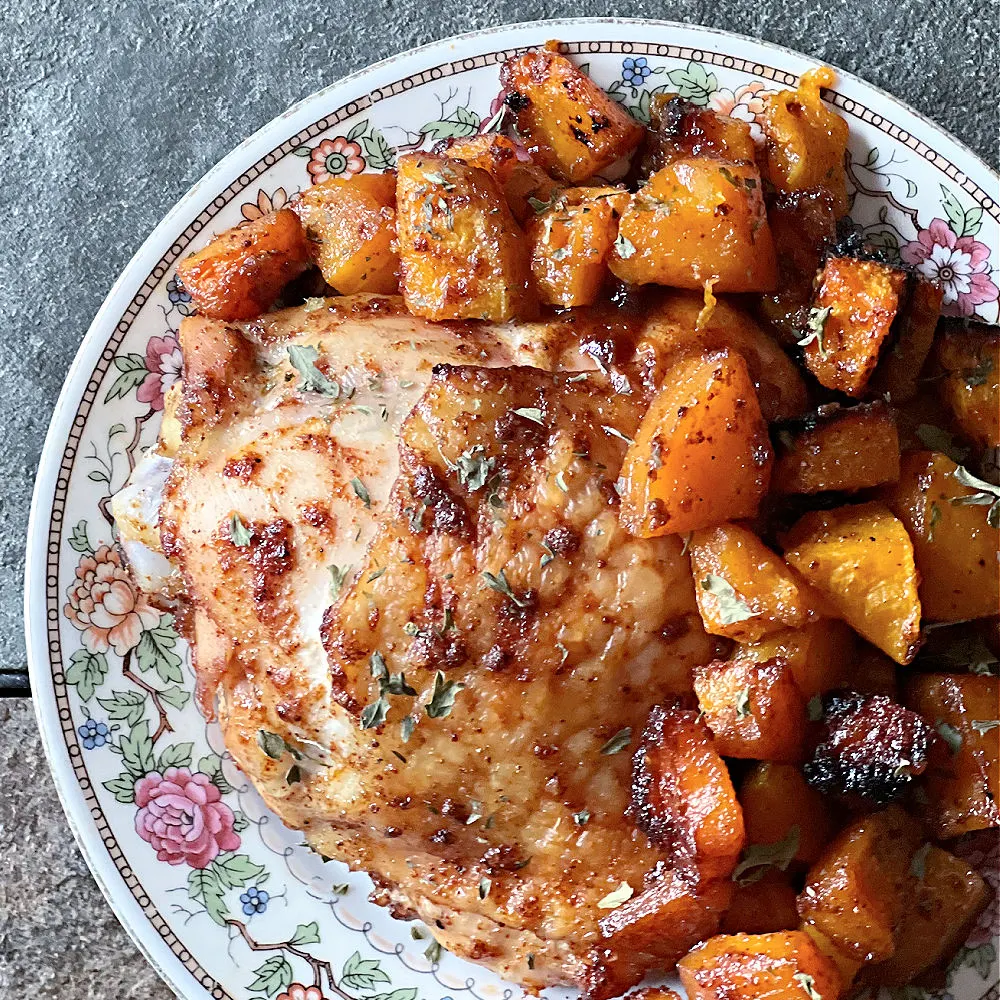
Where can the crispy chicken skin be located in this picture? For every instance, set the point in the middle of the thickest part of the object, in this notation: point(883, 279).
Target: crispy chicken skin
point(450, 700)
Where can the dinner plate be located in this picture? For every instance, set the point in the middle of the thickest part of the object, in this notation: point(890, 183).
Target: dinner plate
point(112, 680)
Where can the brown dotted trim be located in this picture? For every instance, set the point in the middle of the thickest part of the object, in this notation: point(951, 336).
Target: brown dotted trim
point(156, 275)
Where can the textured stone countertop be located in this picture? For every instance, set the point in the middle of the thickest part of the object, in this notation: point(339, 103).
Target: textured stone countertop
point(108, 113)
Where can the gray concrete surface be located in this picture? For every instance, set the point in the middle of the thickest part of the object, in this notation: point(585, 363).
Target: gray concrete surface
point(108, 113)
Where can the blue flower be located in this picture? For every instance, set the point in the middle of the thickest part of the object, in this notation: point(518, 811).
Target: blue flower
point(254, 900)
point(176, 292)
point(93, 734)
point(635, 71)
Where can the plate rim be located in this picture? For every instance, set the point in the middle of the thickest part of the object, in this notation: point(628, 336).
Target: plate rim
point(123, 291)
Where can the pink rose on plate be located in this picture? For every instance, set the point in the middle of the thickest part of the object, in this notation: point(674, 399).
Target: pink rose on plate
point(163, 364)
point(182, 817)
point(335, 158)
point(959, 264)
point(745, 103)
point(105, 606)
point(299, 992)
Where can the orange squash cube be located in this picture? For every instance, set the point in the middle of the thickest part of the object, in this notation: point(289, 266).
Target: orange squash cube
point(969, 358)
point(762, 908)
point(496, 154)
point(899, 370)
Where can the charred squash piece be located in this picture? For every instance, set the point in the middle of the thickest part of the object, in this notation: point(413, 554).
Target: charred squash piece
point(861, 559)
point(701, 455)
point(569, 124)
point(963, 783)
point(780, 966)
point(241, 273)
point(463, 255)
point(762, 907)
point(571, 240)
point(899, 370)
point(776, 798)
point(755, 710)
point(683, 797)
point(968, 356)
point(697, 220)
point(857, 892)
point(837, 448)
point(496, 154)
point(352, 225)
point(806, 141)
point(870, 751)
point(745, 591)
point(954, 544)
point(853, 310)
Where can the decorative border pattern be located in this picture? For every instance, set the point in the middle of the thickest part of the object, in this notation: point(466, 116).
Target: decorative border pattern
point(160, 270)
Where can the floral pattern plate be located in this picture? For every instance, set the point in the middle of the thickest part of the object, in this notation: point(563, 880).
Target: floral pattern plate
point(222, 898)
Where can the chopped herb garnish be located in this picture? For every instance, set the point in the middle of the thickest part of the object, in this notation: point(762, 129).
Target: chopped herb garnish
point(983, 726)
point(935, 517)
point(338, 574)
point(396, 684)
point(814, 708)
point(548, 557)
point(816, 326)
point(940, 440)
point(918, 863)
point(950, 735)
point(624, 247)
point(614, 432)
point(238, 532)
point(374, 576)
point(731, 608)
point(398, 756)
point(417, 934)
point(728, 174)
point(362, 491)
point(474, 468)
point(484, 887)
point(757, 858)
point(743, 703)
point(411, 629)
point(303, 359)
point(531, 960)
point(294, 775)
point(532, 413)
point(376, 664)
point(616, 897)
point(581, 818)
point(342, 889)
point(433, 952)
point(275, 746)
point(986, 495)
point(373, 715)
point(808, 984)
point(538, 206)
point(618, 742)
point(406, 727)
point(443, 696)
point(501, 586)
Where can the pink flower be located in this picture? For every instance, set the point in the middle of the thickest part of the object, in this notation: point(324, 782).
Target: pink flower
point(163, 364)
point(745, 103)
point(105, 606)
point(982, 851)
point(959, 264)
point(181, 816)
point(264, 205)
point(299, 992)
point(335, 158)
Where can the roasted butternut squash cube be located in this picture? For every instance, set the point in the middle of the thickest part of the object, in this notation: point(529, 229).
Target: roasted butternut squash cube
point(463, 255)
point(969, 359)
point(241, 273)
point(682, 795)
point(954, 544)
point(806, 140)
point(948, 898)
point(856, 893)
point(529, 190)
point(963, 783)
point(762, 907)
point(853, 310)
point(820, 654)
point(570, 242)
point(496, 154)
point(755, 710)
point(697, 220)
point(776, 798)
point(571, 127)
point(780, 966)
point(701, 455)
point(837, 448)
point(899, 370)
point(351, 223)
point(744, 590)
point(861, 558)
point(678, 128)
point(803, 226)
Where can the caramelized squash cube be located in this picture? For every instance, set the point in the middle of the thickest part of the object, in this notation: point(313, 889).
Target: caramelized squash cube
point(351, 223)
point(837, 448)
point(744, 590)
point(755, 710)
point(899, 370)
point(528, 190)
point(762, 907)
point(571, 240)
point(969, 359)
point(496, 154)
point(861, 558)
point(805, 140)
point(963, 783)
point(701, 455)
point(853, 311)
point(241, 273)
point(776, 798)
point(954, 545)
point(780, 966)
point(463, 255)
point(696, 221)
point(569, 124)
